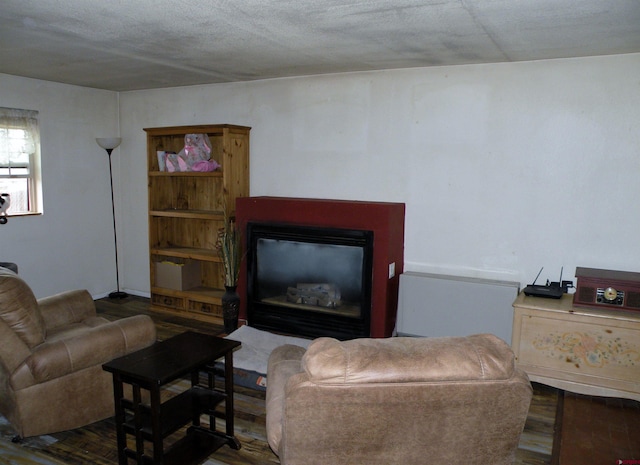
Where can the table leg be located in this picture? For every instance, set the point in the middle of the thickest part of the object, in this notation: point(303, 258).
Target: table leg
point(156, 428)
point(195, 380)
point(137, 422)
point(228, 403)
point(211, 383)
point(121, 439)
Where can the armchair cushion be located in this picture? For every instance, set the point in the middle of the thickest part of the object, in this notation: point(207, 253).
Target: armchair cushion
point(92, 346)
point(19, 310)
point(407, 360)
point(65, 308)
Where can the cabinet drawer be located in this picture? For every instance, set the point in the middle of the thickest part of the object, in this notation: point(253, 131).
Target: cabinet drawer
point(167, 301)
point(205, 308)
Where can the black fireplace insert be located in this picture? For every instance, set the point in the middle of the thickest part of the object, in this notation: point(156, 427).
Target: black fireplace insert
point(309, 281)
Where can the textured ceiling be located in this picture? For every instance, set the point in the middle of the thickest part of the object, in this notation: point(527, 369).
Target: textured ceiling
point(127, 45)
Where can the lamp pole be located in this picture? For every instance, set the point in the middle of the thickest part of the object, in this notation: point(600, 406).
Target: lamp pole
point(109, 144)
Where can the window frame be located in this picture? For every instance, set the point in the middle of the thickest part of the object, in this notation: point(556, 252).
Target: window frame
point(25, 120)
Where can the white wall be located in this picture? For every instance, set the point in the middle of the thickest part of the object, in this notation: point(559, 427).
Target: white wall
point(504, 168)
point(71, 245)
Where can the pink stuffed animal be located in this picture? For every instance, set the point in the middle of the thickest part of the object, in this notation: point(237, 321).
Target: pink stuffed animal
point(205, 165)
point(195, 156)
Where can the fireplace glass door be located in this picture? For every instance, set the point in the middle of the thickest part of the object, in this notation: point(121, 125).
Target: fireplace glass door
point(309, 281)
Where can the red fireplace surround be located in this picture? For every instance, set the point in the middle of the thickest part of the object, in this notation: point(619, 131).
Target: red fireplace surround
point(386, 220)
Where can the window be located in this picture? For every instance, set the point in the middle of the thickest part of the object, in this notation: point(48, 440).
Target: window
point(20, 160)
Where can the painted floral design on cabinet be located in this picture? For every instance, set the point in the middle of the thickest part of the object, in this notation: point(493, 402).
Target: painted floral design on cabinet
point(590, 349)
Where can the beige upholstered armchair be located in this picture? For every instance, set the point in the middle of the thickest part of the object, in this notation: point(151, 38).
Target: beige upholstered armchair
point(51, 356)
point(396, 401)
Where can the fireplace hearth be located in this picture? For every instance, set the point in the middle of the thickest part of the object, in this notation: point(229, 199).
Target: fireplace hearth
point(320, 267)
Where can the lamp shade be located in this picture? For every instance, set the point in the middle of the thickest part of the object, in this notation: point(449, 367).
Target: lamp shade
point(108, 142)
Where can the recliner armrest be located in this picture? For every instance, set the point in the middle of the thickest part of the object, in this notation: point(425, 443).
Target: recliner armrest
point(284, 362)
point(66, 308)
point(96, 346)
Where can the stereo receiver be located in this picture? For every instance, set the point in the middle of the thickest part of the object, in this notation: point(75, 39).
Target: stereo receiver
point(607, 288)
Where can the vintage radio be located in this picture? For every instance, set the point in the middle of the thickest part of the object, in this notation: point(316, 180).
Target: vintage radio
point(607, 288)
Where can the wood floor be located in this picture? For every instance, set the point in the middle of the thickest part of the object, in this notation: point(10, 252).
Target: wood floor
point(96, 443)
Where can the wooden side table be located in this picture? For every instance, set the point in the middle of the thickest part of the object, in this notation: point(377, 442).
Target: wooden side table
point(189, 353)
point(585, 350)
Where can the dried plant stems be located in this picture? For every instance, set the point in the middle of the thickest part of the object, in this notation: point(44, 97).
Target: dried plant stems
point(230, 250)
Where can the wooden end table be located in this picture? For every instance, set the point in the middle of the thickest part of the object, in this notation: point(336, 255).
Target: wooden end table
point(189, 353)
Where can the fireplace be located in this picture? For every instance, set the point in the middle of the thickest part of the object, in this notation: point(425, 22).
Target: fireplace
point(309, 281)
point(320, 267)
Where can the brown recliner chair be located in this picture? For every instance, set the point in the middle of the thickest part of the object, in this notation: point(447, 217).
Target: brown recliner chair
point(396, 401)
point(51, 356)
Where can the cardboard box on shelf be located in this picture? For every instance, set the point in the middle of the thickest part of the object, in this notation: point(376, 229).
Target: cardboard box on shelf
point(178, 276)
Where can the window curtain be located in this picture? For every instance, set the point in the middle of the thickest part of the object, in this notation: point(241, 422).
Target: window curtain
point(27, 120)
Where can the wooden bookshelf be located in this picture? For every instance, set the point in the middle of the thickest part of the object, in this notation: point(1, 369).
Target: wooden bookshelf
point(186, 211)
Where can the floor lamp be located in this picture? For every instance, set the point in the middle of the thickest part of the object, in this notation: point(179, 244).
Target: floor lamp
point(110, 143)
